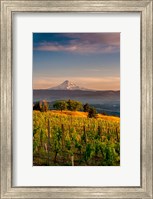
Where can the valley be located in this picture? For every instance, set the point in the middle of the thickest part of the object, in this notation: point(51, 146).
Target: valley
point(104, 101)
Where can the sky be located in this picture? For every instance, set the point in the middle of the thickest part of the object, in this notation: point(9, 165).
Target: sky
point(91, 60)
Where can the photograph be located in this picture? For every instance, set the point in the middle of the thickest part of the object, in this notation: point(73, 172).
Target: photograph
point(76, 99)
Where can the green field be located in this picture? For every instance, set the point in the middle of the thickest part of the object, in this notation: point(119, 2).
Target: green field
point(70, 138)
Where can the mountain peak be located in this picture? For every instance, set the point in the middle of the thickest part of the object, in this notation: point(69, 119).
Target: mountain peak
point(66, 85)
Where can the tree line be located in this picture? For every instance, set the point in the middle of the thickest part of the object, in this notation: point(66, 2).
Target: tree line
point(71, 105)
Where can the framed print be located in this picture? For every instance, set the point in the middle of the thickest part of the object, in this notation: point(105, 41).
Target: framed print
point(76, 99)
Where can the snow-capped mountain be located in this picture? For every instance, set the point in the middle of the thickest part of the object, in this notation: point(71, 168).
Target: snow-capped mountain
point(67, 85)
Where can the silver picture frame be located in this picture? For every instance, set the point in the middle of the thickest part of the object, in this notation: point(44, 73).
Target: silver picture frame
point(8, 8)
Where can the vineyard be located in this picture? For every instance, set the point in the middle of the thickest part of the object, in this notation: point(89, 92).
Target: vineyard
point(70, 138)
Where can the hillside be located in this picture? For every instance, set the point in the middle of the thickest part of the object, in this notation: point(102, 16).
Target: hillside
point(72, 139)
point(84, 115)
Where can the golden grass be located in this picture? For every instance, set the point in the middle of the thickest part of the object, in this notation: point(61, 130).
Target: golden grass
point(106, 117)
point(83, 114)
point(71, 113)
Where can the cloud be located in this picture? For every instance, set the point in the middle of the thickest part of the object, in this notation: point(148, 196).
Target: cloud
point(82, 43)
point(104, 38)
point(77, 48)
